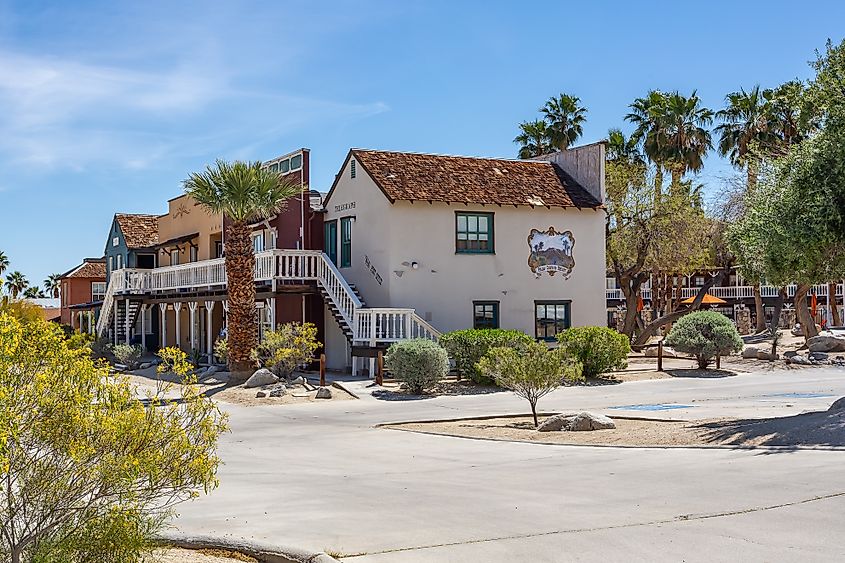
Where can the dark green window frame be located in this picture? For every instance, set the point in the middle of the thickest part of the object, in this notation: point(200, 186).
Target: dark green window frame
point(485, 314)
point(345, 242)
point(471, 236)
point(550, 318)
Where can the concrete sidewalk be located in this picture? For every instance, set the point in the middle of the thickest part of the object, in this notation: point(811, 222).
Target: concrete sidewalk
point(321, 477)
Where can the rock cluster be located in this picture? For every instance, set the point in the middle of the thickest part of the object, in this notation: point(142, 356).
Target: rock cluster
point(576, 422)
point(826, 343)
point(814, 359)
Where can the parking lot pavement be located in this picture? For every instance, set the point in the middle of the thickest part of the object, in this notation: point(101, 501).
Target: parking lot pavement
point(323, 478)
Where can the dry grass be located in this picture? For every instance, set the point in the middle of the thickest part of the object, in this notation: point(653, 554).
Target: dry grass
point(178, 555)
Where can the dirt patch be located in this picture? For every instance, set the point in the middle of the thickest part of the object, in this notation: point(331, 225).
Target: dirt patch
point(177, 555)
point(217, 387)
point(825, 429)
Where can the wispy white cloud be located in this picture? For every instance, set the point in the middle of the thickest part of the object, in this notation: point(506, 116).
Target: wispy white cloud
point(65, 113)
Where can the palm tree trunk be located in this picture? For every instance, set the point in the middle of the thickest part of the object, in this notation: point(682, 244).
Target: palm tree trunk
point(752, 172)
point(658, 183)
point(242, 321)
point(677, 175)
point(759, 310)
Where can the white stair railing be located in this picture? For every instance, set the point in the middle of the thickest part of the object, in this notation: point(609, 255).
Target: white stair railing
point(108, 302)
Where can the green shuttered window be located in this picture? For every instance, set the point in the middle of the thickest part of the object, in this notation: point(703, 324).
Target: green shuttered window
point(473, 233)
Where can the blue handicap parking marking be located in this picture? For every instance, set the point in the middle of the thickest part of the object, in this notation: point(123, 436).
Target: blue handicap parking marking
point(655, 407)
point(801, 395)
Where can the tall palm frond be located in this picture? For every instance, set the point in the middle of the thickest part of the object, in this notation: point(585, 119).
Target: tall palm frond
point(52, 284)
point(565, 116)
point(534, 139)
point(16, 283)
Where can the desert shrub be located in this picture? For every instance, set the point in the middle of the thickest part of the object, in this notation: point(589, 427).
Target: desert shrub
point(287, 347)
point(24, 311)
point(530, 372)
point(467, 347)
point(101, 348)
point(128, 354)
point(598, 348)
point(704, 334)
point(221, 350)
point(83, 442)
point(419, 363)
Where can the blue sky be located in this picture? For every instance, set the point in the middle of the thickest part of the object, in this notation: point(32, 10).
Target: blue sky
point(107, 106)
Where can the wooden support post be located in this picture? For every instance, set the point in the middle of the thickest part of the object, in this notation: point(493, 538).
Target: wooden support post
point(322, 370)
point(660, 355)
point(380, 368)
point(718, 361)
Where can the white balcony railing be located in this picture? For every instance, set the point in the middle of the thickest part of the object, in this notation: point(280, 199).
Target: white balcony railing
point(733, 292)
point(368, 325)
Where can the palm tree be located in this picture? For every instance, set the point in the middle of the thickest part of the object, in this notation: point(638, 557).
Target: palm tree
point(242, 192)
point(647, 115)
point(16, 283)
point(622, 149)
point(686, 135)
point(33, 292)
point(789, 119)
point(566, 117)
point(745, 130)
point(534, 139)
point(4, 262)
point(52, 284)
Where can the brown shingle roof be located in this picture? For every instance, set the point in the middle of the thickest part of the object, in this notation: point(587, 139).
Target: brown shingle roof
point(461, 179)
point(140, 231)
point(90, 268)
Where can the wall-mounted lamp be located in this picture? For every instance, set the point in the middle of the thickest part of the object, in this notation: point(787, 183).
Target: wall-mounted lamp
point(415, 265)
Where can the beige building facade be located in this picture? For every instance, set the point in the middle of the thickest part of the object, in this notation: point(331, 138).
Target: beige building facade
point(470, 242)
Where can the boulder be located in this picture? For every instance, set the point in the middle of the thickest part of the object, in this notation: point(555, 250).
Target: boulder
point(556, 422)
point(119, 367)
point(590, 421)
point(145, 365)
point(212, 369)
point(278, 390)
point(297, 381)
point(260, 378)
point(790, 354)
point(818, 356)
point(324, 393)
point(800, 360)
point(766, 355)
point(750, 352)
point(261, 394)
point(826, 343)
point(576, 422)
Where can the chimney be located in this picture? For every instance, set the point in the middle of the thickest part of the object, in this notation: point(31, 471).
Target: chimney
point(585, 164)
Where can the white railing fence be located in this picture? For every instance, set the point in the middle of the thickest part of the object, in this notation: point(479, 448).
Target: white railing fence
point(367, 325)
point(733, 292)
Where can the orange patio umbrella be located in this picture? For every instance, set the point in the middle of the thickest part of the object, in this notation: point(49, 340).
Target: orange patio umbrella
point(814, 304)
point(707, 300)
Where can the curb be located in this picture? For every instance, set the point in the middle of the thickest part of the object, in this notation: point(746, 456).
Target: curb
point(263, 552)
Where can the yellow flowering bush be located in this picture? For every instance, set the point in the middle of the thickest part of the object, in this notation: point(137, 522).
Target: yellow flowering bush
point(73, 437)
point(289, 346)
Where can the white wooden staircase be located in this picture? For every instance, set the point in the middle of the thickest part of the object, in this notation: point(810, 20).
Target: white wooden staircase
point(363, 326)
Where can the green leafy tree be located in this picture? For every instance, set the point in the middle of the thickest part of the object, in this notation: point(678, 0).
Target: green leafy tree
point(704, 334)
point(534, 139)
point(565, 116)
point(242, 192)
point(84, 464)
point(16, 283)
point(531, 372)
point(33, 292)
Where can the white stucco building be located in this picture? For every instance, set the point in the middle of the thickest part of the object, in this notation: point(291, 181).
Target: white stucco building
point(470, 242)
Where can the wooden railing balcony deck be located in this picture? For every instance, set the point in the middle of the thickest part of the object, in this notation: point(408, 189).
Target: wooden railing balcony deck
point(733, 292)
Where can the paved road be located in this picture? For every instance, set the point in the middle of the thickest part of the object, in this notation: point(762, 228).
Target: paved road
point(321, 477)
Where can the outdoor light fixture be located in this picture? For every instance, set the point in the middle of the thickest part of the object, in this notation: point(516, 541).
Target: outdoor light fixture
point(415, 265)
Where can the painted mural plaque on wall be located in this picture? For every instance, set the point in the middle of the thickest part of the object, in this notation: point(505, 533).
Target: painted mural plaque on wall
point(551, 252)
